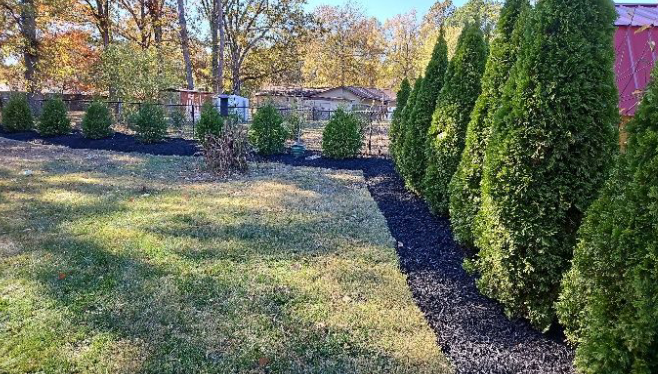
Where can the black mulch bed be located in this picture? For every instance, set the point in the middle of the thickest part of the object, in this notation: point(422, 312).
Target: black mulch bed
point(119, 142)
point(472, 330)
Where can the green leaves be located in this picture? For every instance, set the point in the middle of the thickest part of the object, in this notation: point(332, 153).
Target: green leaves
point(609, 301)
point(150, 123)
point(551, 147)
point(267, 132)
point(445, 137)
point(464, 189)
point(343, 136)
point(16, 114)
point(54, 119)
point(97, 122)
point(210, 123)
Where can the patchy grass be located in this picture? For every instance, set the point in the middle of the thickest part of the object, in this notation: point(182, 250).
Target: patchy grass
point(125, 263)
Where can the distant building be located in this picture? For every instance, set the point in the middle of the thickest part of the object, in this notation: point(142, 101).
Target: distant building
point(635, 46)
point(327, 99)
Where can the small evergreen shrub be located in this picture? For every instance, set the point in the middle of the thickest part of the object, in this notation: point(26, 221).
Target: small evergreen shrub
point(609, 298)
point(447, 134)
point(268, 134)
point(227, 152)
point(464, 189)
point(550, 152)
point(177, 118)
point(421, 117)
point(293, 124)
point(343, 136)
point(54, 119)
point(97, 122)
point(16, 114)
point(150, 123)
point(210, 123)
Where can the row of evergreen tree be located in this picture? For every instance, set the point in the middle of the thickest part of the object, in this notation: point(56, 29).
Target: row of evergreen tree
point(515, 144)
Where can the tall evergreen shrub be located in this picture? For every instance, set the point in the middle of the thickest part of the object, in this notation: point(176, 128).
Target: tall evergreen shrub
point(446, 135)
point(401, 100)
point(16, 114)
point(464, 188)
point(549, 154)
point(405, 122)
point(421, 117)
point(54, 119)
point(609, 301)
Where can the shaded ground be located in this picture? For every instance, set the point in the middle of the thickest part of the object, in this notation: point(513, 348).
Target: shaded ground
point(471, 329)
point(115, 262)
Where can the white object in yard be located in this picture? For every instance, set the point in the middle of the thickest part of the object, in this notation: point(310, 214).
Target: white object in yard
point(27, 172)
point(233, 105)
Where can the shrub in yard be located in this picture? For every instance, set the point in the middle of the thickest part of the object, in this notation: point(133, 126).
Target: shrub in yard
point(464, 188)
point(268, 134)
point(16, 114)
point(227, 152)
point(97, 122)
point(401, 99)
point(397, 149)
point(421, 118)
point(343, 136)
point(210, 123)
point(609, 299)
point(549, 153)
point(149, 123)
point(177, 118)
point(447, 133)
point(54, 119)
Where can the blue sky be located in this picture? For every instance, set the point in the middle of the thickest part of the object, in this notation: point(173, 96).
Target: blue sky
point(384, 9)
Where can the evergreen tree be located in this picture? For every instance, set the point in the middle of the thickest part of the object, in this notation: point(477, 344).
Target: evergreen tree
point(446, 135)
point(609, 301)
point(405, 122)
point(549, 153)
point(401, 100)
point(464, 188)
point(421, 117)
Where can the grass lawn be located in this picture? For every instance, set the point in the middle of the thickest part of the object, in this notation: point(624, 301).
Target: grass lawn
point(128, 263)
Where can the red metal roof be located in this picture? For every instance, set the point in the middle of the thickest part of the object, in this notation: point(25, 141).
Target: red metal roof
point(635, 46)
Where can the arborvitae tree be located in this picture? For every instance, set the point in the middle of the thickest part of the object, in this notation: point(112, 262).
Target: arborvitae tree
point(421, 117)
point(464, 188)
point(446, 135)
point(16, 114)
point(609, 301)
point(405, 122)
point(549, 153)
point(401, 102)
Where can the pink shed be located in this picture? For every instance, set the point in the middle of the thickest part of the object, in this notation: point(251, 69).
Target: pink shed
point(636, 43)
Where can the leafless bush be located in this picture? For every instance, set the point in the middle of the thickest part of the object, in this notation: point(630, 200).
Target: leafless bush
point(227, 152)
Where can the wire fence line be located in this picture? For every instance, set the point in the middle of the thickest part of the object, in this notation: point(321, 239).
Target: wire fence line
point(183, 119)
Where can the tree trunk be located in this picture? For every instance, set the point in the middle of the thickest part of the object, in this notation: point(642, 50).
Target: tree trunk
point(214, 48)
point(235, 72)
point(185, 44)
point(222, 44)
point(28, 26)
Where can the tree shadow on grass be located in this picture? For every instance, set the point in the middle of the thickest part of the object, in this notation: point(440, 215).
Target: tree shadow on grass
point(125, 309)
